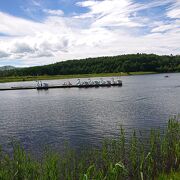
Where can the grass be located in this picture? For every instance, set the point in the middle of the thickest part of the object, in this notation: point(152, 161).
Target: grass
point(117, 159)
point(48, 77)
point(171, 176)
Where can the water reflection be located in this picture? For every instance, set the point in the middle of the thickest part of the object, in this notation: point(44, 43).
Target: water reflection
point(83, 117)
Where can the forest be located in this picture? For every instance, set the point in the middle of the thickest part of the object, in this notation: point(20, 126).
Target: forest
point(110, 64)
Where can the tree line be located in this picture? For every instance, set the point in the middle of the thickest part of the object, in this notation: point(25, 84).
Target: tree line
point(112, 64)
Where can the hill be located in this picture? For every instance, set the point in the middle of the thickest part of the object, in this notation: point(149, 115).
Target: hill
point(4, 68)
point(114, 64)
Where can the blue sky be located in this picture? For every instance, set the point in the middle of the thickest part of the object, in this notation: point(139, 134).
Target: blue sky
point(37, 32)
point(33, 9)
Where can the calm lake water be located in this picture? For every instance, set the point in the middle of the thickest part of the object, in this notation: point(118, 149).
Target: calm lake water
point(84, 117)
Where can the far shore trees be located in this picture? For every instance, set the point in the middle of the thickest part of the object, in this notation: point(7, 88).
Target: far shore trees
point(111, 64)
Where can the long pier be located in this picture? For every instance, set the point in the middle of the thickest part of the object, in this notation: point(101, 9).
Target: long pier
point(61, 87)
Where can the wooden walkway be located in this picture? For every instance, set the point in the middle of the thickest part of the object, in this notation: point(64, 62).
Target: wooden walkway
point(61, 86)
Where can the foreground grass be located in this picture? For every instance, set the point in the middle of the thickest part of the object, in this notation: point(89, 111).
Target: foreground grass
point(117, 159)
point(171, 176)
point(46, 77)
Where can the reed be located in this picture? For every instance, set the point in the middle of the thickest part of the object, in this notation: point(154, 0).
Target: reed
point(116, 159)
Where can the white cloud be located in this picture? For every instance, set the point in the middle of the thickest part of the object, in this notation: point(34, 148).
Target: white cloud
point(118, 12)
point(111, 27)
point(166, 27)
point(36, 3)
point(3, 54)
point(110, 13)
point(174, 10)
point(54, 12)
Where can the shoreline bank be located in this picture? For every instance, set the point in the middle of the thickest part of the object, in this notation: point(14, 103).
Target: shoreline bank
point(56, 77)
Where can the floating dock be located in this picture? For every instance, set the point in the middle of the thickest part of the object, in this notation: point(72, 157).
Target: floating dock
point(61, 87)
point(84, 84)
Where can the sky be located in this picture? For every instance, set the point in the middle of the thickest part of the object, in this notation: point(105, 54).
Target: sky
point(38, 32)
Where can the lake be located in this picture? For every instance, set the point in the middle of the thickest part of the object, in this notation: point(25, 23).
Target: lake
point(83, 117)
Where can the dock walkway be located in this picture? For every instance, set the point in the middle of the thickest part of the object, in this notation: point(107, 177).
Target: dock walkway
point(61, 86)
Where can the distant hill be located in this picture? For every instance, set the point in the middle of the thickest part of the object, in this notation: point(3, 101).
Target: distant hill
point(4, 68)
point(109, 64)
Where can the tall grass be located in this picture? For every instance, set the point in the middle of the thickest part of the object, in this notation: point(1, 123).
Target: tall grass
point(117, 159)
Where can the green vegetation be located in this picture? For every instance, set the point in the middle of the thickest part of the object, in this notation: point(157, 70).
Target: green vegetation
point(117, 159)
point(115, 64)
point(171, 176)
point(53, 77)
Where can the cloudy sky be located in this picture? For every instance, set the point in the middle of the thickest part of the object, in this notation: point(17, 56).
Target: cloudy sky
point(36, 32)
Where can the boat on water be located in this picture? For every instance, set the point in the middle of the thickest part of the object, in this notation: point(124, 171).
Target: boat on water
point(81, 84)
point(95, 83)
point(41, 85)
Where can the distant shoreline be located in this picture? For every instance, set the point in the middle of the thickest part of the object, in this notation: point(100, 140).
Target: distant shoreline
point(56, 77)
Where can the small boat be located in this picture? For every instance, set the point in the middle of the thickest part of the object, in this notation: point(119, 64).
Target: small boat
point(41, 86)
point(166, 76)
point(79, 84)
point(97, 83)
